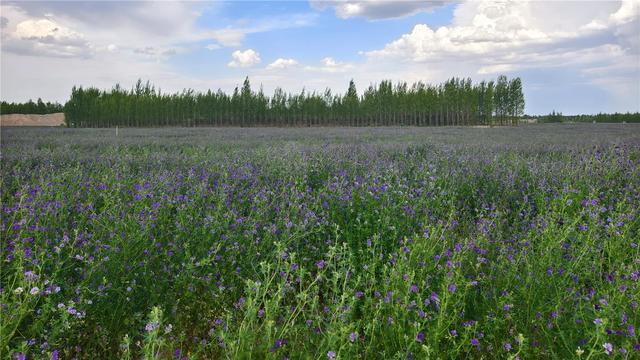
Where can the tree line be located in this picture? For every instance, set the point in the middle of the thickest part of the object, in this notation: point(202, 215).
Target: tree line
point(554, 117)
point(30, 107)
point(454, 102)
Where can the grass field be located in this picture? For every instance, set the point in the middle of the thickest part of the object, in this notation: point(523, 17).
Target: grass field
point(321, 243)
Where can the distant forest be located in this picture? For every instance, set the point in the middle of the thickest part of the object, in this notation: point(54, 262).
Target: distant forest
point(30, 107)
point(555, 117)
point(455, 102)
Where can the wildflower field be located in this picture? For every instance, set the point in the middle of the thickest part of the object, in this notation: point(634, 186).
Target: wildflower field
point(321, 243)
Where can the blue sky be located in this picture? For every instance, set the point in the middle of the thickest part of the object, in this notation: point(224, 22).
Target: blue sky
point(574, 57)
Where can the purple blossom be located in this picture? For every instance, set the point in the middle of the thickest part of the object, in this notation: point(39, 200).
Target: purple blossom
point(353, 336)
point(331, 355)
point(278, 344)
point(434, 297)
point(151, 326)
point(608, 348)
point(30, 276)
point(420, 337)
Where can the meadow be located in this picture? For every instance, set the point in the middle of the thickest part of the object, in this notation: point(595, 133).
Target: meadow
point(321, 243)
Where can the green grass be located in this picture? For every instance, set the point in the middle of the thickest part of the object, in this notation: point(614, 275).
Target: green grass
point(314, 243)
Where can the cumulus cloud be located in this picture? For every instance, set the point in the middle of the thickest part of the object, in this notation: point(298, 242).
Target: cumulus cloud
point(595, 42)
point(245, 58)
point(132, 26)
point(46, 37)
point(377, 9)
point(281, 63)
point(330, 65)
point(590, 43)
point(496, 29)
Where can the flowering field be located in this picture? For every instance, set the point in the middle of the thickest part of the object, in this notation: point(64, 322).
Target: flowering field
point(318, 243)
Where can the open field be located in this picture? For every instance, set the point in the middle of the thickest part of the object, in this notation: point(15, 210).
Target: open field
point(321, 242)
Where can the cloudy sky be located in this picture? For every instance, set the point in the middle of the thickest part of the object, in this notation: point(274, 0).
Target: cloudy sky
point(573, 56)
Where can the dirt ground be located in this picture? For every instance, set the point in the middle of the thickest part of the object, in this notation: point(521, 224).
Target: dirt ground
point(55, 119)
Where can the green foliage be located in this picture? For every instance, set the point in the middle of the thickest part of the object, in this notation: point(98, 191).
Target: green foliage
point(30, 107)
point(555, 117)
point(456, 102)
point(356, 243)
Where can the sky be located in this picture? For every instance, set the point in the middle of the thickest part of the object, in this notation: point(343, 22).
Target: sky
point(573, 56)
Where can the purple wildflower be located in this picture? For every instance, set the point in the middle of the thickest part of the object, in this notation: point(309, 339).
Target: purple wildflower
point(435, 298)
point(151, 326)
point(452, 288)
point(353, 336)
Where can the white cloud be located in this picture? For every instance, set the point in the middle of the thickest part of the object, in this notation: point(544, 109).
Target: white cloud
point(282, 64)
point(131, 26)
point(627, 12)
point(597, 43)
point(377, 9)
point(229, 37)
point(330, 65)
point(154, 52)
point(45, 37)
point(245, 58)
point(496, 69)
point(234, 36)
point(329, 62)
point(499, 30)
